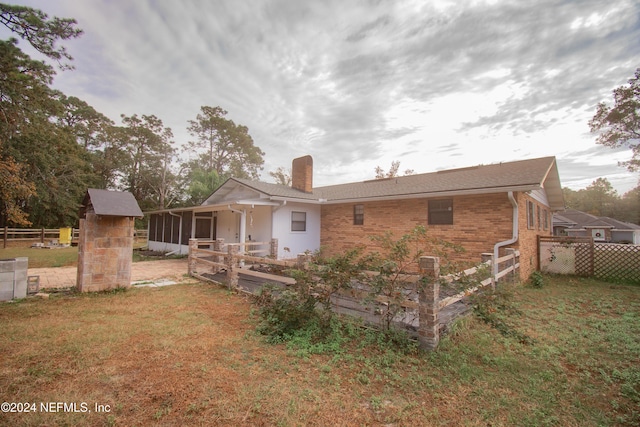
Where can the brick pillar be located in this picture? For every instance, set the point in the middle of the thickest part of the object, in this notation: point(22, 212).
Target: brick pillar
point(273, 249)
point(105, 249)
point(428, 299)
point(232, 266)
point(218, 244)
point(302, 262)
point(191, 263)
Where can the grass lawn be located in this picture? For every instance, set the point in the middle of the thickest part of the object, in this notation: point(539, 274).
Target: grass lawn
point(188, 355)
point(60, 257)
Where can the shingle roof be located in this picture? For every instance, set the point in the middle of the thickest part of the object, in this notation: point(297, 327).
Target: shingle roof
point(580, 220)
point(524, 175)
point(278, 190)
point(111, 203)
point(480, 179)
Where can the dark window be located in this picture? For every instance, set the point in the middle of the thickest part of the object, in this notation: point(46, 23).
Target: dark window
point(531, 219)
point(358, 215)
point(298, 221)
point(152, 227)
point(441, 211)
point(186, 227)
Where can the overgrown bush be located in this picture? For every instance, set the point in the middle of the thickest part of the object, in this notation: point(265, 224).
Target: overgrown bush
point(304, 313)
point(497, 310)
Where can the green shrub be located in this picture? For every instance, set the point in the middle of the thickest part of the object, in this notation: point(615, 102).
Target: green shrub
point(536, 279)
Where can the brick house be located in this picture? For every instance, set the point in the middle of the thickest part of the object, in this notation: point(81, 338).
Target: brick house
point(483, 208)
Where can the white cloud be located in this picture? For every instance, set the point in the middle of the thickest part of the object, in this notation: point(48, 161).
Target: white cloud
point(362, 83)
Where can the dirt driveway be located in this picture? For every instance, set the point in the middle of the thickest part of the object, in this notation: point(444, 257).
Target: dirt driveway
point(65, 277)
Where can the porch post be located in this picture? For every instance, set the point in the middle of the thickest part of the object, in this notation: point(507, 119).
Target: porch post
point(243, 230)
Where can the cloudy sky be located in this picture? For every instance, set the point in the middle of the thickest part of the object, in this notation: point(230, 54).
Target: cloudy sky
point(357, 84)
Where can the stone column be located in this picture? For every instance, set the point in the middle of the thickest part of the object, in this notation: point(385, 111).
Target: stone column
point(192, 263)
point(232, 266)
point(105, 248)
point(273, 249)
point(218, 244)
point(428, 300)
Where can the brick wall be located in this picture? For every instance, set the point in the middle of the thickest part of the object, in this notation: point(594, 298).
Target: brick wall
point(527, 237)
point(105, 249)
point(479, 222)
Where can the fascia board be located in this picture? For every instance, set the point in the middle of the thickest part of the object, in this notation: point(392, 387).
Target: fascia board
point(432, 195)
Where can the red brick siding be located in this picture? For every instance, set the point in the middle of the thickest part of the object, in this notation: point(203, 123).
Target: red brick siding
point(527, 238)
point(479, 222)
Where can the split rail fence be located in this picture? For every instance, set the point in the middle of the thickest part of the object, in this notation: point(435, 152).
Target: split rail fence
point(22, 236)
point(425, 309)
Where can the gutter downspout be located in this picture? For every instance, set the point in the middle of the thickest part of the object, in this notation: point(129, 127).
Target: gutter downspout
point(179, 236)
point(497, 246)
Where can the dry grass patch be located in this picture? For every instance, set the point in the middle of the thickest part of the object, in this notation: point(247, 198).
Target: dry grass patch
point(189, 355)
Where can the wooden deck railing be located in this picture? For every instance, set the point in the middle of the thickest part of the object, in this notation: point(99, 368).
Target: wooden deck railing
point(425, 302)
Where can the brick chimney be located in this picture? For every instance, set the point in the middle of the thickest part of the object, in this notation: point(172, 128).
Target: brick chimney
point(302, 174)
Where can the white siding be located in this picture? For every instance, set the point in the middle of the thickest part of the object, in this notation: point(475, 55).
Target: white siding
point(259, 223)
point(297, 242)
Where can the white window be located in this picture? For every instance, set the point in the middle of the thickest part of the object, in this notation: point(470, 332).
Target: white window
point(298, 221)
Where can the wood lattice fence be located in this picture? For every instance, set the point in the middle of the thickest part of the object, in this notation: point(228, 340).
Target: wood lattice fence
point(584, 257)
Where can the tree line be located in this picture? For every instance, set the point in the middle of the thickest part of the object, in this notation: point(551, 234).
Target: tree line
point(53, 146)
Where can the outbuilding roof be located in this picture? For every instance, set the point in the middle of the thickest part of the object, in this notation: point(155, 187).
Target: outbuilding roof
point(110, 203)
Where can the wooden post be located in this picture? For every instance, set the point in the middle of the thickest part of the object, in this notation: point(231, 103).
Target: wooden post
point(218, 244)
point(192, 260)
point(6, 230)
point(428, 299)
point(486, 256)
point(42, 235)
point(512, 263)
point(273, 249)
point(232, 266)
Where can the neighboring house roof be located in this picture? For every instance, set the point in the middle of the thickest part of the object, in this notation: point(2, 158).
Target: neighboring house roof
point(577, 220)
point(522, 175)
point(110, 203)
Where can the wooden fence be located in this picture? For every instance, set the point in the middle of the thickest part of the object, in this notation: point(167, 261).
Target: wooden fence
point(425, 310)
point(28, 236)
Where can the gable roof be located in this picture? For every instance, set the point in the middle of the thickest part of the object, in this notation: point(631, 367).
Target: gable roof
point(578, 220)
point(110, 203)
point(524, 175)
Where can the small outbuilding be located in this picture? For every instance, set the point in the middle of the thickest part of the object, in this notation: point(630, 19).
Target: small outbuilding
point(105, 244)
